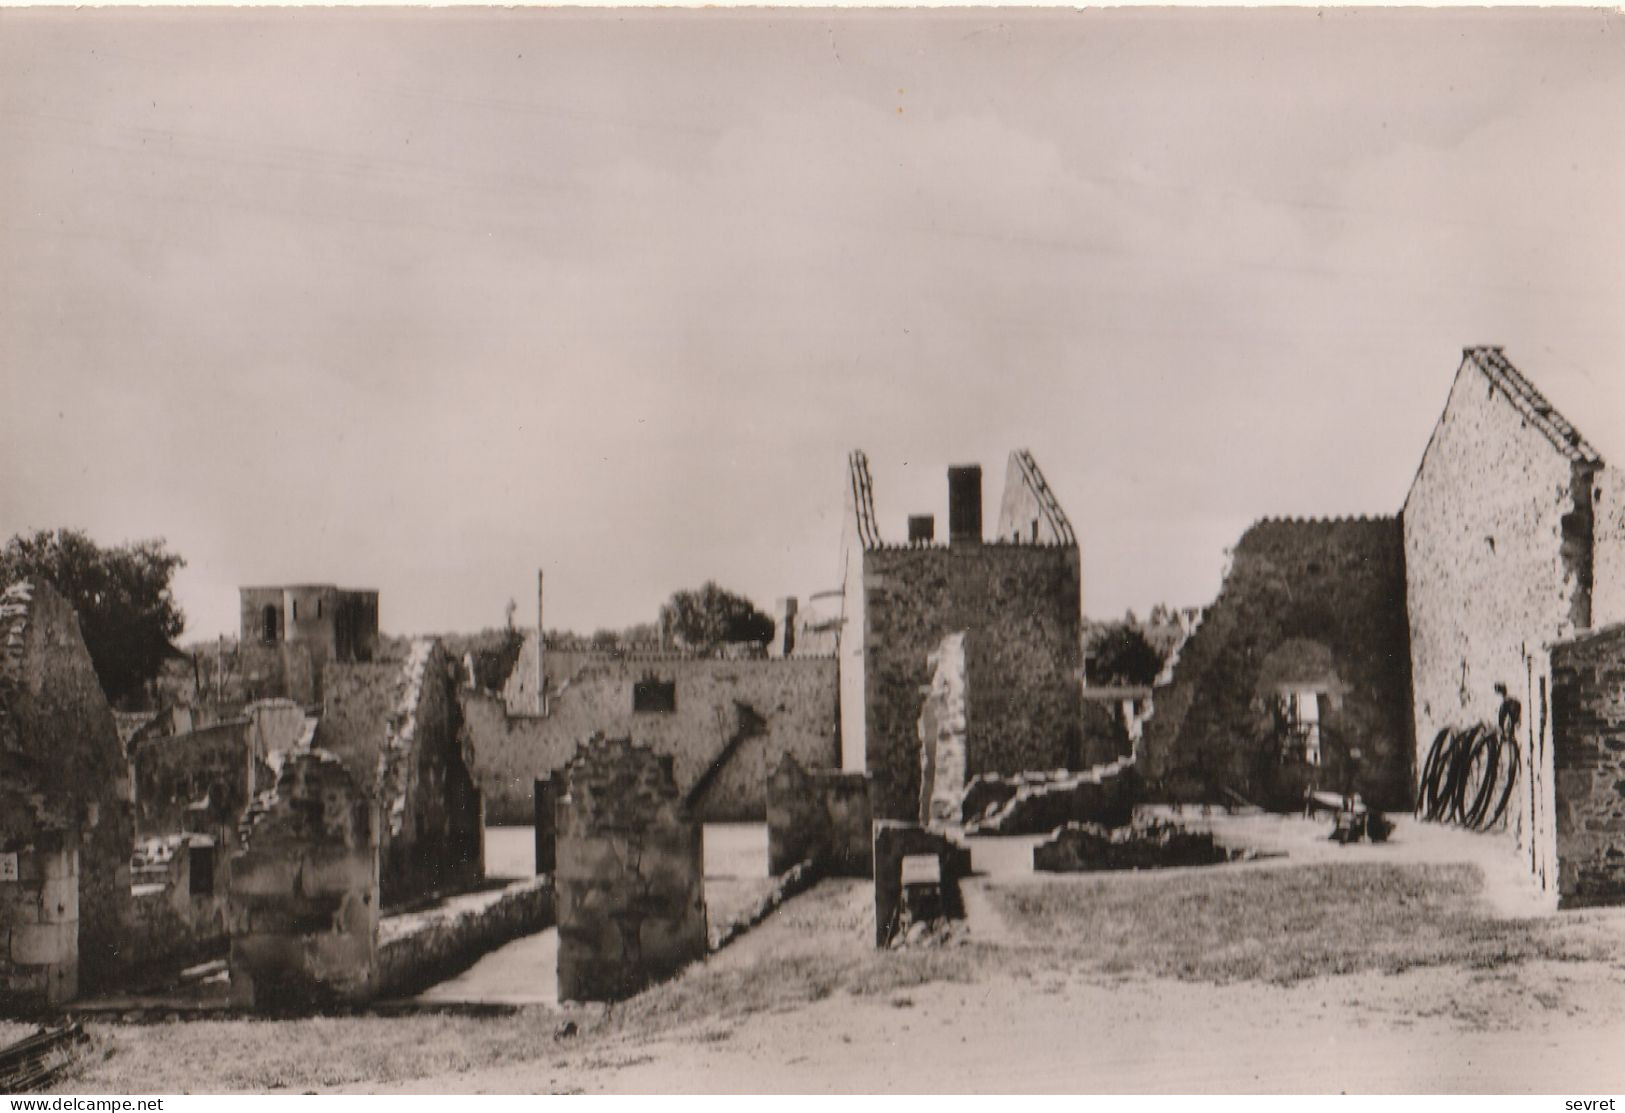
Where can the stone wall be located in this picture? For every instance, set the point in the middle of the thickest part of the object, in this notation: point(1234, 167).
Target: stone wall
point(733, 720)
point(1020, 606)
point(197, 781)
point(1308, 606)
point(1498, 550)
point(418, 949)
point(304, 891)
point(1588, 753)
point(39, 906)
point(1608, 548)
point(820, 816)
point(398, 728)
point(180, 907)
point(1038, 802)
point(630, 882)
point(59, 741)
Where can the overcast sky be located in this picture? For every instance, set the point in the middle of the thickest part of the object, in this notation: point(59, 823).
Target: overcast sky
point(423, 300)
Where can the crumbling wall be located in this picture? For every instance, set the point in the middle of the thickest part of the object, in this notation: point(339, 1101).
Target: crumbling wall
point(1020, 604)
point(820, 816)
point(398, 728)
point(197, 781)
point(1498, 544)
point(944, 719)
point(61, 745)
point(1036, 802)
point(180, 902)
point(304, 891)
point(275, 725)
point(1608, 548)
point(717, 701)
point(522, 691)
point(630, 881)
point(1588, 754)
point(1310, 605)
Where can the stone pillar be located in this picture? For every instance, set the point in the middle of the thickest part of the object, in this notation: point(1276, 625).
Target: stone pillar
point(943, 725)
point(304, 891)
point(631, 873)
point(39, 920)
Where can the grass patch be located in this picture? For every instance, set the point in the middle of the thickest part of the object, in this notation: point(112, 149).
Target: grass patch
point(1280, 925)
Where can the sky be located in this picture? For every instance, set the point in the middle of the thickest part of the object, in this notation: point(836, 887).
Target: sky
point(425, 300)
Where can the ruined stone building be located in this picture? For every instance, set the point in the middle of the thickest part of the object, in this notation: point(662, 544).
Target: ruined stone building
point(1298, 678)
point(194, 775)
point(1492, 602)
point(65, 822)
point(1514, 534)
point(290, 633)
point(397, 727)
point(724, 722)
point(1012, 600)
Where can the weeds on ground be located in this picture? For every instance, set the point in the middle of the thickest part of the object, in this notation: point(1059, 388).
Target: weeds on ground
point(1281, 925)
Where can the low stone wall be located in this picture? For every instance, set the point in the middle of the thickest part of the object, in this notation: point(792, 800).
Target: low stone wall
point(417, 949)
point(304, 891)
point(1588, 760)
point(895, 841)
point(631, 896)
point(1082, 847)
point(820, 816)
point(1035, 803)
point(797, 879)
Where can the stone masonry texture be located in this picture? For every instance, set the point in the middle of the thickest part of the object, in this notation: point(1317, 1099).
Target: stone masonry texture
point(304, 890)
point(1306, 605)
point(1499, 565)
point(820, 816)
point(734, 720)
point(398, 728)
point(630, 881)
point(1020, 607)
point(59, 743)
point(1588, 751)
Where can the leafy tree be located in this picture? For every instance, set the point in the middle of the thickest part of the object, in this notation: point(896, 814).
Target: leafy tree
point(494, 661)
point(1123, 655)
point(711, 616)
point(122, 595)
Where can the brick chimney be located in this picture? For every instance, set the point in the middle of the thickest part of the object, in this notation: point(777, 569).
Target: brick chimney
point(965, 504)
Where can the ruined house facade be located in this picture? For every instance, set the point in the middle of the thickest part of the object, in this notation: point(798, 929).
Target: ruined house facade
point(725, 722)
point(1015, 598)
point(1514, 541)
point(289, 634)
point(1298, 677)
point(65, 817)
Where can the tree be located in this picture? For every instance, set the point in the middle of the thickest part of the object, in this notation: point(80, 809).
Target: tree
point(1121, 654)
point(122, 595)
point(705, 619)
point(494, 661)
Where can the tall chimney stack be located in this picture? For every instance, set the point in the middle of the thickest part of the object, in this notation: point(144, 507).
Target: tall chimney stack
point(965, 504)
